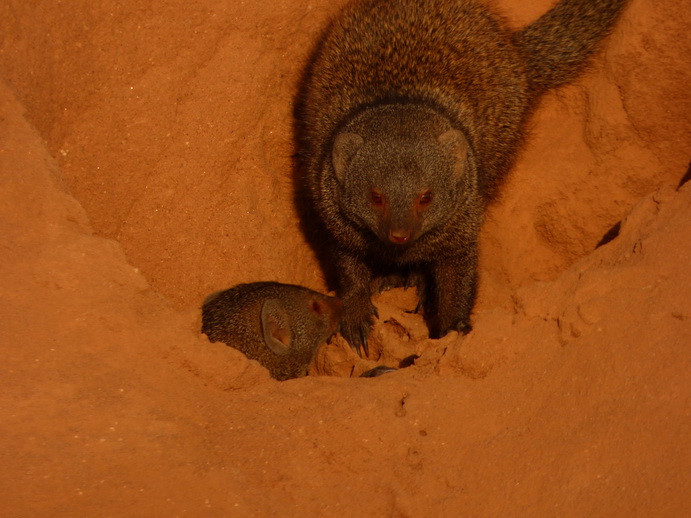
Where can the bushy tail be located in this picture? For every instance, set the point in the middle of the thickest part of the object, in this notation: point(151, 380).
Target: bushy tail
point(558, 44)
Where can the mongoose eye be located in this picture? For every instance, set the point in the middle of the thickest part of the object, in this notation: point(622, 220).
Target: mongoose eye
point(316, 307)
point(424, 199)
point(377, 198)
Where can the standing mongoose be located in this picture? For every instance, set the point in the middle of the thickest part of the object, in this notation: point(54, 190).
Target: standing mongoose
point(279, 325)
point(409, 116)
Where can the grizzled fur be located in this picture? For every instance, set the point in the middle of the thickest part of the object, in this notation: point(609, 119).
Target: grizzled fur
point(279, 325)
point(409, 117)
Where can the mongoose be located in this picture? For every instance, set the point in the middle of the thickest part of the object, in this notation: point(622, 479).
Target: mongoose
point(279, 325)
point(409, 116)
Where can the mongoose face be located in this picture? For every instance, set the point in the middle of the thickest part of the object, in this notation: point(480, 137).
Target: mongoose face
point(401, 171)
point(279, 325)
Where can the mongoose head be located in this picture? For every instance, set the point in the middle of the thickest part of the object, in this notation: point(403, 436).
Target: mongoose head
point(402, 171)
point(279, 325)
point(298, 320)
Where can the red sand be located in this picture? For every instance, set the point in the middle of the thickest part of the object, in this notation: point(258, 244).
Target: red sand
point(145, 162)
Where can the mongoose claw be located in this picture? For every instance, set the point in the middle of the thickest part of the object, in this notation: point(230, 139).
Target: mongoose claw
point(357, 324)
point(356, 336)
point(365, 345)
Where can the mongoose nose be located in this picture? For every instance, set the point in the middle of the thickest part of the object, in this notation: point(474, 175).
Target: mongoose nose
point(399, 236)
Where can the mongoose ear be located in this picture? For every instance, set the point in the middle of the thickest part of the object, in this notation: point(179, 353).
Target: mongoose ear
point(276, 327)
point(345, 146)
point(454, 142)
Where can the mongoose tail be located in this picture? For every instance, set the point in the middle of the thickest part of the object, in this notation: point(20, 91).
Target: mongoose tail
point(558, 44)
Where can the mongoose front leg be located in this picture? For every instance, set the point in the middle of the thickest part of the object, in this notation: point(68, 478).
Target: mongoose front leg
point(354, 279)
point(455, 282)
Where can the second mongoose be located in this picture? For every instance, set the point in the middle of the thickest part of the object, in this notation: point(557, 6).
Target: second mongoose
point(409, 116)
point(279, 325)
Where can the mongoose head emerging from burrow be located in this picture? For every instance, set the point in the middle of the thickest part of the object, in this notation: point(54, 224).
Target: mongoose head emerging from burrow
point(280, 325)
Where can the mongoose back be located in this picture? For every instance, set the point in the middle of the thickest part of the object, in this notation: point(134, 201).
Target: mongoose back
point(279, 325)
point(409, 116)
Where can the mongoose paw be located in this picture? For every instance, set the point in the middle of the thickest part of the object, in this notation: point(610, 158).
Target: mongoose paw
point(356, 336)
point(356, 327)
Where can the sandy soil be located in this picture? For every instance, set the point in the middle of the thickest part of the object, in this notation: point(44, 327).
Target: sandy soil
point(145, 162)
